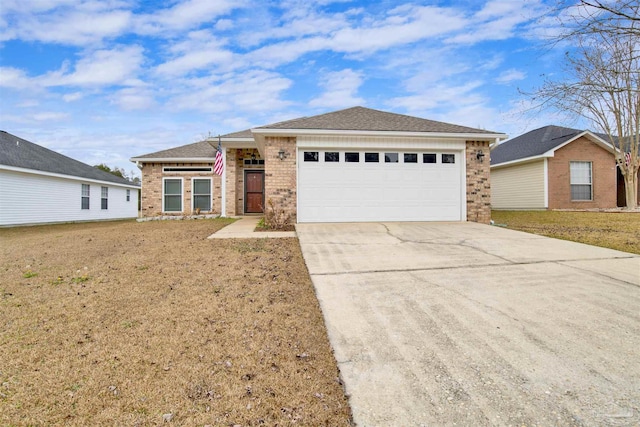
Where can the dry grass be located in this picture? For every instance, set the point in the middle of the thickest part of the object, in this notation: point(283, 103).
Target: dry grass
point(615, 230)
point(124, 323)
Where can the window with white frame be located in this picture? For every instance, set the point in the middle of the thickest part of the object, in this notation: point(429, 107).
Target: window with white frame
point(202, 194)
point(581, 181)
point(104, 198)
point(172, 195)
point(86, 193)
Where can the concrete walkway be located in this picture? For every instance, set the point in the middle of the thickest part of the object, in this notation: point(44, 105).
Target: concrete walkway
point(244, 228)
point(468, 324)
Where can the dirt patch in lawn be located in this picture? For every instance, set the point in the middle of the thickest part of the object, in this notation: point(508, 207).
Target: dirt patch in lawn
point(614, 230)
point(131, 323)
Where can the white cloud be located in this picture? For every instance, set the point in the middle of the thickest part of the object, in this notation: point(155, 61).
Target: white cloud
point(130, 99)
point(14, 78)
point(199, 51)
point(184, 15)
point(510, 75)
point(341, 88)
point(250, 91)
point(49, 116)
point(117, 66)
point(71, 97)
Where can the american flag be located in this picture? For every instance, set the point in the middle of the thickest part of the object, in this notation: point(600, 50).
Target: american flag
point(218, 166)
point(627, 158)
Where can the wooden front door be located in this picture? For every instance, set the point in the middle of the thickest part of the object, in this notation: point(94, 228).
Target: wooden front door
point(253, 191)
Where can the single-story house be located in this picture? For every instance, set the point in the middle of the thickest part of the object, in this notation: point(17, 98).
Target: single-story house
point(40, 186)
point(352, 165)
point(556, 168)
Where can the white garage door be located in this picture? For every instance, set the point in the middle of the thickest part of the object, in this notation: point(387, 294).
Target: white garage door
point(360, 186)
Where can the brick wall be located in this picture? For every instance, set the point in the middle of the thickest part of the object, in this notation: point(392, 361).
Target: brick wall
point(235, 185)
point(280, 175)
point(151, 199)
point(603, 176)
point(478, 183)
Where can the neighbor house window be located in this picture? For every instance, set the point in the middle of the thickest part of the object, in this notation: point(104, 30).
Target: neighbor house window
point(352, 157)
point(428, 158)
point(371, 157)
point(128, 195)
point(448, 158)
point(172, 195)
point(85, 196)
point(391, 157)
point(104, 198)
point(581, 177)
point(331, 156)
point(311, 156)
point(410, 158)
point(202, 194)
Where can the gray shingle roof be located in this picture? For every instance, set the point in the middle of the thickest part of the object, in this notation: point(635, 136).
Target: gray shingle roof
point(197, 150)
point(202, 149)
point(20, 153)
point(367, 119)
point(533, 143)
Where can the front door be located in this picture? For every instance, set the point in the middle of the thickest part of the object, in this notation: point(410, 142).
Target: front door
point(253, 191)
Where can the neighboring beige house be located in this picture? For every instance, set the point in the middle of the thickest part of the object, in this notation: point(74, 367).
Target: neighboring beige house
point(352, 165)
point(555, 168)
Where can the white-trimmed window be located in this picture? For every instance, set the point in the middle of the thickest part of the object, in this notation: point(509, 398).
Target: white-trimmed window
point(104, 198)
point(581, 181)
point(86, 195)
point(201, 194)
point(172, 194)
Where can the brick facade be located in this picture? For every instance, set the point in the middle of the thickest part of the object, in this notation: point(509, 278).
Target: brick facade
point(151, 199)
point(280, 180)
point(603, 171)
point(235, 177)
point(280, 175)
point(478, 183)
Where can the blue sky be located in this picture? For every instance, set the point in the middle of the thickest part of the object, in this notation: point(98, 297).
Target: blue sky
point(105, 80)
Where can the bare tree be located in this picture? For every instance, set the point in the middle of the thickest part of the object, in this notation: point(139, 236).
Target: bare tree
point(602, 83)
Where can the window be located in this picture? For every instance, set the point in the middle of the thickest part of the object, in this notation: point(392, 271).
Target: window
point(352, 157)
point(410, 158)
point(311, 156)
point(581, 180)
point(104, 198)
point(254, 161)
point(85, 196)
point(448, 158)
point(172, 195)
point(391, 157)
point(187, 169)
point(128, 195)
point(202, 194)
point(371, 157)
point(428, 158)
point(331, 156)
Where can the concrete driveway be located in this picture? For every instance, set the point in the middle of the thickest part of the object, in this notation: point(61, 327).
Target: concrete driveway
point(469, 324)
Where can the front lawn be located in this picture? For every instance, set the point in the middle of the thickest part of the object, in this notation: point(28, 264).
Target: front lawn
point(126, 323)
point(615, 230)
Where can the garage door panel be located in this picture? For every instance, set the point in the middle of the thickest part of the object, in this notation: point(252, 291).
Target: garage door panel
point(336, 192)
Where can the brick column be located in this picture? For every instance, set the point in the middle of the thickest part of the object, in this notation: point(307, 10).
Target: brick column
point(280, 175)
point(478, 183)
point(231, 178)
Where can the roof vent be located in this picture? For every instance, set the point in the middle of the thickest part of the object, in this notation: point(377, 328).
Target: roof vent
point(17, 143)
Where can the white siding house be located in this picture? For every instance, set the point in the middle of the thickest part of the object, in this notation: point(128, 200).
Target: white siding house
point(39, 186)
point(519, 186)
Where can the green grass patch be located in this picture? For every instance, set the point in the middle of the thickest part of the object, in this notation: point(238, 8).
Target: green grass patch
point(614, 230)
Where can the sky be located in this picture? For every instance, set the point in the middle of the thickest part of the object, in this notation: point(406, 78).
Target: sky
point(102, 81)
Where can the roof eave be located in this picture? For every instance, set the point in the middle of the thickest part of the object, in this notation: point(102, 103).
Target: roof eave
point(172, 159)
point(447, 135)
point(72, 177)
point(523, 160)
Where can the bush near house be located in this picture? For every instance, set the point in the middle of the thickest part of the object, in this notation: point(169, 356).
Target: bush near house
point(614, 230)
point(126, 323)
